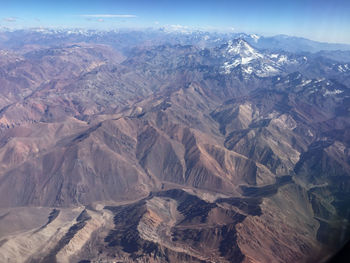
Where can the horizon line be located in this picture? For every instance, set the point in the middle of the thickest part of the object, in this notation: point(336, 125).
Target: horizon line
point(165, 27)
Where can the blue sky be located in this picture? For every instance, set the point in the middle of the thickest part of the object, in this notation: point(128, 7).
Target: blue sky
point(319, 20)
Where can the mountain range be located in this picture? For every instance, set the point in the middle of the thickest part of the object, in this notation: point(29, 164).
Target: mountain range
point(157, 146)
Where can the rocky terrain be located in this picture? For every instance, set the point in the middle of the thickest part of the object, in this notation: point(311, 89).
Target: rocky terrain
point(171, 149)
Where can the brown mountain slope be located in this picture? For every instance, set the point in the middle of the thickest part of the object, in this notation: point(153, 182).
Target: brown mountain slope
point(165, 157)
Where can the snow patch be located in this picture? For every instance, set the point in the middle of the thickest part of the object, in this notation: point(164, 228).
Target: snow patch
point(320, 80)
point(246, 60)
point(229, 66)
point(343, 68)
point(267, 70)
point(333, 92)
point(248, 70)
point(282, 59)
point(305, 82)
point(255, 37)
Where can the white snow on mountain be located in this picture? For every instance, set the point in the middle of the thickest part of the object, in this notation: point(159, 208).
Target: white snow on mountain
point(282, 59)
point(229, 66)
point(343, 68)
point(243, 49)
point(255, 37)
point(248, 70)
point(251, 60)
point(320, 80)
point(332, 92)
point(305, 82)
point(266, 70)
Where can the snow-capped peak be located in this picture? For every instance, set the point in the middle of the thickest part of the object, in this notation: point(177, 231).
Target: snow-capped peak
point(243, 49)
point(255, 37)
point(242, 56)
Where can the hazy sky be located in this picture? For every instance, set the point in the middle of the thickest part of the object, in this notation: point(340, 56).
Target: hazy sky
point(325, 20)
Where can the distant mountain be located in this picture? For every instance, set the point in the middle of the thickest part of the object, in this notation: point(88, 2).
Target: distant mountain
point(338, 55)
point(296, 44)
point(124, 39)
point(169, 147)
